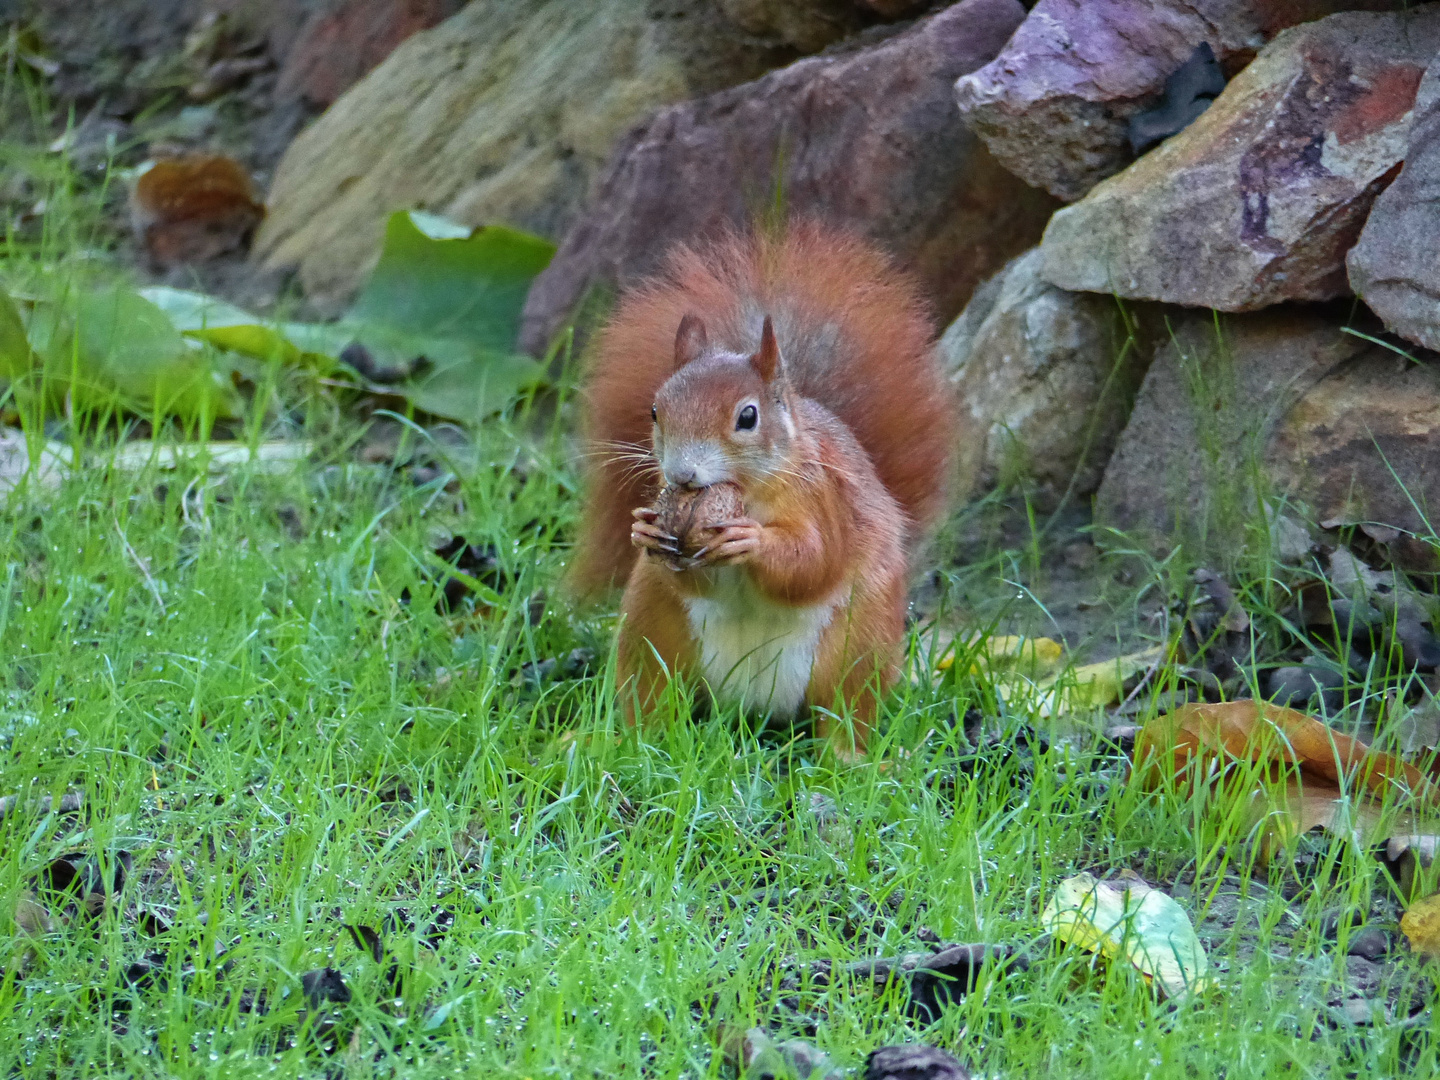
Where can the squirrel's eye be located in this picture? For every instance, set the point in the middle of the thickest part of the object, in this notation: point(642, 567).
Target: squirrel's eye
point(747, 419)
point(654, 416)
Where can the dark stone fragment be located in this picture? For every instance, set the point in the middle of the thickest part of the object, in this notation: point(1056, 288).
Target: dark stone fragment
point(1188, 93)
point(918, 1062)
point(324, 985)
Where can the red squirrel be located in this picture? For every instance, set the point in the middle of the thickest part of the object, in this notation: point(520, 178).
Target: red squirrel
point(799, 367)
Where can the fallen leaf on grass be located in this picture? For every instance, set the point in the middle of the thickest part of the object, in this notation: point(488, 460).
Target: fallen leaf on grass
point(1130, 920)
point(1421, 926)
point(87, 879)
point(1102, 683)
point(191, 209)
point(204, 318)
point(1005, 652)
point(469, 569)
point(941, 978)
point(111, 348)
point(32, 917)
point(324, 986)
point(436, 324)
point(1299, 773)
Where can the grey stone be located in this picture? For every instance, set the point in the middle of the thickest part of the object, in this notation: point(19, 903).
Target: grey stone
point(1393, 267)
point(1044, 379)
point(1215, 394)
point(1260, 198)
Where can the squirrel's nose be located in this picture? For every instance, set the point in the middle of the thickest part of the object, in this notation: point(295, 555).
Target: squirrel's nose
point(682, 476)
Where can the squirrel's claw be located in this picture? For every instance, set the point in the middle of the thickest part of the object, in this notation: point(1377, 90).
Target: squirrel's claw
point(651, 537)
point(734, 542)
point(646, 514)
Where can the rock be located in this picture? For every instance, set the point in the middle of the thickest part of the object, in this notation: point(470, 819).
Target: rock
point(336, 48)
point(808, 25)
point(1364, 444)
point(1393, 267)
point(867, 139)
point(1371, 943)
point(915, 1062)
point(1055, 105)
point(1044, 380)
point(1298, 686)
point(1188, 92)
point(503, 113)
point(1260, 198)
point(1206, 410)
point(1319, 416)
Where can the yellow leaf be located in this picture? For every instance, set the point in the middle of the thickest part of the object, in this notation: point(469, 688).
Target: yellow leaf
point(1008, 652)
point(1421, 925)
point(1103, 683)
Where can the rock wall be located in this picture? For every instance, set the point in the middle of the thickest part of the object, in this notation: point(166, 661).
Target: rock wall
point(1054, 106)
point(866, 138)
point(1393, 267)
point(506, 113)
point(1045, 380)
point(1326, 137)
point(1260, 198)
point(1295, 173)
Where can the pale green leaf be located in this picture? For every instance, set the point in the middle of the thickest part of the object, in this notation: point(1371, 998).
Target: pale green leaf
point(1130, 920)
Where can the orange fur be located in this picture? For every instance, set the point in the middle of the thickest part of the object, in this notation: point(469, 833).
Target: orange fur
point(832, 531)
point(842, 462)
point(856, 337)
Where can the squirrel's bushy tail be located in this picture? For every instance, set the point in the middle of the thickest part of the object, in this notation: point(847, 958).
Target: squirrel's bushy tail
point(856, 337)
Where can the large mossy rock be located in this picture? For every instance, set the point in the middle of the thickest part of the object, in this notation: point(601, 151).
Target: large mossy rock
point(503, 113)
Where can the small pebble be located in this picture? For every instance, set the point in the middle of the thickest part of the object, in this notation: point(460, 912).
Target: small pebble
point(1371, 943)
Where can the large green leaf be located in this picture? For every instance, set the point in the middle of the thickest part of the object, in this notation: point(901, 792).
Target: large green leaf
point(204, 318)
point(440, 292)
point(112, 347)
point(433, 282)
point(471, 388)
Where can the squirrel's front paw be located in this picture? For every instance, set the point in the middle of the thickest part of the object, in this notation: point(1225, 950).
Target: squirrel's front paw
point(644, 533)
point(730, 543)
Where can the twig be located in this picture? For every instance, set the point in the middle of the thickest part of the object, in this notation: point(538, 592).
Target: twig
point(140, 564)
point(69, 803)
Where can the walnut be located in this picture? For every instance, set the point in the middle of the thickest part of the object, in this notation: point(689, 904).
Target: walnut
point(686, 512)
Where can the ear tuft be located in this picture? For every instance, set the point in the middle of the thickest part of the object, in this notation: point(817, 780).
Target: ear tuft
point(767, 360)
point(690, 340)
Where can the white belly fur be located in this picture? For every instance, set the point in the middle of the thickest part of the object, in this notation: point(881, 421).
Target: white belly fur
point(752, 650)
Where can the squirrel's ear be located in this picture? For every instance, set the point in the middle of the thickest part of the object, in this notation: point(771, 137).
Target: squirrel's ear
point(767, 360)
point(690, 340)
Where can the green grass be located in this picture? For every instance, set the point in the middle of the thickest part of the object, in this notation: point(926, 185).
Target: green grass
point(285, 747)
point(226, 670)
